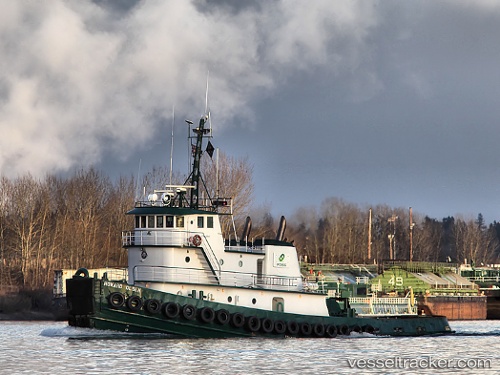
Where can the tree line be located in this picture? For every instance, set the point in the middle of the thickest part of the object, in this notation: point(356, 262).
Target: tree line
point(68, 222)
point(55, 223)
point(340, 232)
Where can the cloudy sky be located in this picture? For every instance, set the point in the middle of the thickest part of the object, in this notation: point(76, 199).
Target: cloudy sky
point(375, 102)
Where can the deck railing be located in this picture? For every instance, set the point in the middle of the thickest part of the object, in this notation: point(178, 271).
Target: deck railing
point(383, 305)
point(143, 273)
point(153, 237)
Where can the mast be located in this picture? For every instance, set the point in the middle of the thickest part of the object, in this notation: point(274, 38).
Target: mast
point(172, 146)
point(370, 234)
point(412, 224)
point(197, 151)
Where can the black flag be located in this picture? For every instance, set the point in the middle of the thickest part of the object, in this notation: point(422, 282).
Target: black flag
point(210, 149)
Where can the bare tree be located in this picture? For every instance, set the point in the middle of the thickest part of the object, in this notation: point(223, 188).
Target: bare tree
point(232, 179)
point(263, 223)
point(121, 199)
point(28, 213)
point(5, 251)
point(344, 232)
point(473, 242)
point(305, 233)
point(427, 240)
point(85, 197)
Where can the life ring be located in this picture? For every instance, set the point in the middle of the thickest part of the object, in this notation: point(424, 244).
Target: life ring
point(368, 329)
point(207, 315)
point(343, 329)
point(152, 306)
point(331, 331)
point(189, 312)
point(171, 310)
point(292, 327)
point(305, 329)
point(237, 320)
point(116, 299)
point(222, 316)
point(279, 327)
point(267, 325)
point(134, 303)
point(319, 330)
point(196, 240)
point(253, 323)
point(81, 271)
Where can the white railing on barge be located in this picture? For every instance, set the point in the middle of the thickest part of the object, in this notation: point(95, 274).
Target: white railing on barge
point(373, 305)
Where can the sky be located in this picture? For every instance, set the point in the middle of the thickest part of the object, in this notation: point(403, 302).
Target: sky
point(373, 102)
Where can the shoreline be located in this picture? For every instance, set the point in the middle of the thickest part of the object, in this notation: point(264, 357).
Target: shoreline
point(27, 305)
point(27, 315)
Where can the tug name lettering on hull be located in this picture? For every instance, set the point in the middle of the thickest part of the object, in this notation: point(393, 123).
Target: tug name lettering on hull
point(121, 286)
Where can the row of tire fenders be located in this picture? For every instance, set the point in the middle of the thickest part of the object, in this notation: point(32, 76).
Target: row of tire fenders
point(173, 310)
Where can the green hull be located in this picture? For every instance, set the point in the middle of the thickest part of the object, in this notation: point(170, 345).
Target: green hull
point(105, 305)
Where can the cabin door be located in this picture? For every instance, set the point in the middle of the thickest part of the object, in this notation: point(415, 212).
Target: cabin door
point(278, 304)
point(260, 267)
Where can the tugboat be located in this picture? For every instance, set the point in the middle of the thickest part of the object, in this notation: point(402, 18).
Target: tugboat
point(185, 279)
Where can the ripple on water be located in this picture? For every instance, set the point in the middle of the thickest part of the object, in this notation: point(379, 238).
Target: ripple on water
point(54, 347)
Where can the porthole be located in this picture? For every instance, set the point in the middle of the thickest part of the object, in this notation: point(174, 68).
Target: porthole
point(240, 263)
point(229, 299)
point(188, 259)
point(221, 262)
point(254, 301)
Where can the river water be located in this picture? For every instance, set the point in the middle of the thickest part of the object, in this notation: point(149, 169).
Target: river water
point(55, 348)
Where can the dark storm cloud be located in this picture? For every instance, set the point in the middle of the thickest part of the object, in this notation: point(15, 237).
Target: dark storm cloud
point(375, 102)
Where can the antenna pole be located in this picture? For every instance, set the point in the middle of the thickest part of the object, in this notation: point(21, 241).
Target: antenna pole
point(370, 234)
point(195, 174)
point(138, 187)
point(207, 110)
point(206, 94)
point(412, 224)
point(172, 145)
point(217, 172)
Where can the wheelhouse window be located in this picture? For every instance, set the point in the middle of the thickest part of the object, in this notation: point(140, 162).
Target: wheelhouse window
point(151, 221)
point(210, 222)
point(170, 222)
point(200, 221)
point(179, 221)
point(159, 222)
point(143, 222)
point(137, 221)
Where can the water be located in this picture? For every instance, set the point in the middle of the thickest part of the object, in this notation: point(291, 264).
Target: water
point(55, 348)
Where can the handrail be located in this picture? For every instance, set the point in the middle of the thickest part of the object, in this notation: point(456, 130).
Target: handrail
point(152, 237)
point(145, 273)
point(155, 237)
point(380, 300)
point(383, 305)
point(211, 258)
